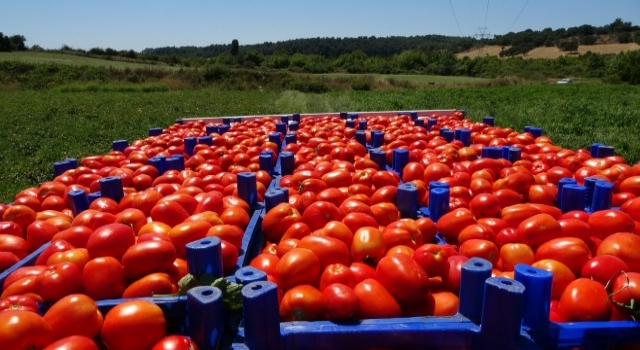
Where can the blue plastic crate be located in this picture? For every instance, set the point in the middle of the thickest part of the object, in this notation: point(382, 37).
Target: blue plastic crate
point(491, 313)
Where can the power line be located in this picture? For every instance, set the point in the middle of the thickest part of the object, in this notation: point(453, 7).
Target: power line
point(486, 14)
point(456, 17)
point(514, 22)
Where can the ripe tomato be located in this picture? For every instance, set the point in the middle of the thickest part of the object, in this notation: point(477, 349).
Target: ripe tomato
point(73, 342)
point(104, 278)
point(302, 303)
point(20, 214)
point(362, 271)
point(517, 213)
point(24, 330)
point(403, 277)
point(452, 223)
point(602, 268)
point(266, 263)
point(625, 292)
point(132, 217)
point(298, 266)
point(452, 279)
point(150, 285)
point(19, 302)
point(175, 342)
point(606, 222)
point(110, 240)
point(538, 229)
point(170, 213)
point(319, 213)
point(337, 273)
point(624, 245)
point(485, 205)
point(480, 248)
point(14, 244)
point(340, 301)
point(512, 254)
point(187, 232)
point(368, 245)
point(329, 250)
point(58, 280)
point(93, 219)
point(562, 275)
point(144, 258)
point(278, 220)
point(570, 251)
point(39, 233)
point(444, 303)
point(375, 301)
point(235, 216)
point(584, 300)
point(77, 236)
point(75, 314)
point(134, 324)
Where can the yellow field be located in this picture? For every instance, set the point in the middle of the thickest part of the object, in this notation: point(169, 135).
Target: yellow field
point(553, 52)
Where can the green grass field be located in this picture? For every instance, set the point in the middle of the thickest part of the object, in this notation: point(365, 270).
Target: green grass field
point(61, 58)
point(419, 80)
point(42, 127)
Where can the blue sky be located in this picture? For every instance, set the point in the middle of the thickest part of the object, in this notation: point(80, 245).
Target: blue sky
point(140, 24)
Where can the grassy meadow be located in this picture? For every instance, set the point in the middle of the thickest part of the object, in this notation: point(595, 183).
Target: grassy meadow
point(62, 58)
point(42, 127)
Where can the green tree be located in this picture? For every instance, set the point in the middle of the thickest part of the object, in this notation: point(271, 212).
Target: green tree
point(235, 47)
point(17, 43)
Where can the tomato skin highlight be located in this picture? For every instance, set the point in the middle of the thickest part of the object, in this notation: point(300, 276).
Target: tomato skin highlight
point(135, 324)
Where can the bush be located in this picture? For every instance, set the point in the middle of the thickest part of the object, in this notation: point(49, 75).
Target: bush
point(216, 72)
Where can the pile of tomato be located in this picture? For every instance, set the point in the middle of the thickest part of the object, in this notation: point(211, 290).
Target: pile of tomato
point(128, 247)
point(338, 249)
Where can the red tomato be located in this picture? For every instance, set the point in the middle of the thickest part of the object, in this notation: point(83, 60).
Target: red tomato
point(14, 244)
point(452, 223)
point(512, 254)
point(571, 251)
point(235, 216)
point(337, 273)
point(78, 256)
point(132, 217)
point(133, 324)
point(170, 213)
point(24, 330)
point(562, 275)
point(150, 285)
point(385, 213)
point(480, 248)
point(175, 342)
point(266, 263)
point(340, 301)
point(58, 280)
point(602, 268)
point(385, 194)
point(362, 271)
point(625, 292)
point(19, 302)
point(625, 246)
point(485, 205)
point(11, 228)
point(278, 220)
point(517, 213)
point(20, 214)
point(77, 236)
point(104, 278)
point(187, 232)
point(7, 259)
point(584, 300)
point(319, 213)
point(110, 240)
point(230, 256)
point(452, 279)
point(403, 277)
point(93, 219)
point(73, 342)
point(144, 258)
point(329, 250)
point(538, 229)
point(39, 233)
point(606, 222)
point(75, 314)
point(368, 245)
point(433, 259)
point(375, 301)
point(298, 266)
point(302, 303)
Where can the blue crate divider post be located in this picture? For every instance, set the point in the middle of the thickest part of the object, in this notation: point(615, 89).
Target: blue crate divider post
point(488, 120)
point(377, 138)
point(563, 182)
point(155, 131)
point(211, 129)
point(247, 188)
point(250, 274)
point(464, 136)
point(284, 119)
point(93, 196)
point(119, 145)
point(205, 316)
point(438, 200)
point(605, 151)
point(502, 312)
point(158, 162)
point(175, 162)
point(178, 121)
point(204, 256)
point(60, 167)
point(277, 139)
point(448, 135)
point(594, 149)
point(574, 197)
point(473, 275)
point(281, 128)
point(274, 197)
point(590, 184)
point(353, 116)
point(602, 192)
point(362, 124)
point(514, 154)
point(205, 140)
point(431, 122)
point(379, 157)
point(265, 160)
point(296, 117)
point(286, 163)
point(361, 137)
point(343, 115)
point(419, 122)
point(111, 187)
point(491, 152)
point(407, 200)
point(400, 158)
point(261, 316)
point(537, 298)
point(535, 131)
point(223, 129)
point(413, 115)
point(294, 126)
point(349, 123)
point(190, 144)
point(78, 201)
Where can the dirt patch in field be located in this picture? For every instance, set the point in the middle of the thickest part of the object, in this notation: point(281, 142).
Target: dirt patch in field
point(553, 52)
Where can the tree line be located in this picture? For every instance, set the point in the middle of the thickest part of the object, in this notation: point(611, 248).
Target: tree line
point(12, 43)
